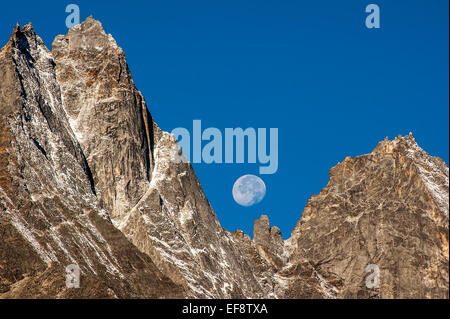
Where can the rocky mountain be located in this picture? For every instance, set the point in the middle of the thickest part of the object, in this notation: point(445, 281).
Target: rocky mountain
point(87, 178)
point(50, 213)
point(388, 208)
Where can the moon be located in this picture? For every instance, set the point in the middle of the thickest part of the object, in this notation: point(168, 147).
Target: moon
point(249, 190)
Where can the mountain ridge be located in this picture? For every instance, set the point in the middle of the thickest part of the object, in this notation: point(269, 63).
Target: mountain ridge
point(76, 132)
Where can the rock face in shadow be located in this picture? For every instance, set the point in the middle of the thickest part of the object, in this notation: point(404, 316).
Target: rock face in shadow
point(88, 178)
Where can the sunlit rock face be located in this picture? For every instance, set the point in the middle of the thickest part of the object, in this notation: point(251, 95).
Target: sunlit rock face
point(388, 208)
point(87, 178)
point(107, 114)
point(158, 204)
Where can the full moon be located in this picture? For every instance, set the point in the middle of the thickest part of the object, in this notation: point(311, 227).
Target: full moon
point(249, 190)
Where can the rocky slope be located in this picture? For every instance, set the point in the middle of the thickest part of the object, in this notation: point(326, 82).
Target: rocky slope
point(88, 178)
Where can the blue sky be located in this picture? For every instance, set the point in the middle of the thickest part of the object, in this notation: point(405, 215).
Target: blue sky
point(312, 69)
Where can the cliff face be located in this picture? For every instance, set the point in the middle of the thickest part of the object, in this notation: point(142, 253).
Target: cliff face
point(87, 178)
point(159, 205)
point(388, 208)
point(107, 114)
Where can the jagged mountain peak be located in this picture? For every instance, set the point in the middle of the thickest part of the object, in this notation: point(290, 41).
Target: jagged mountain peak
point(89, 25)
point(376, 209)
point(19, 31)
point(396, 144)
point(24, 39)
point(88, 35)
point(433, 171)
point(107, 114)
